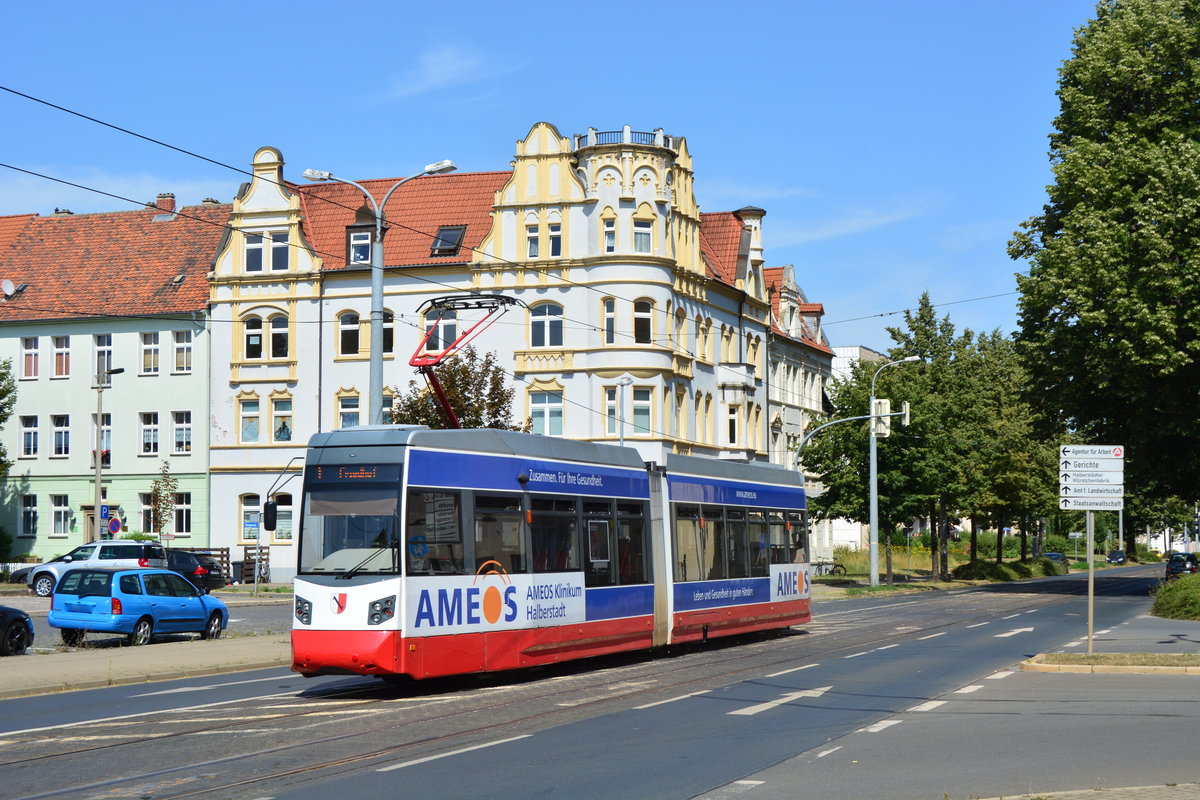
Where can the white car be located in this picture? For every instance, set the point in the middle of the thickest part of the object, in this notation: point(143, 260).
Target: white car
point(44, 577)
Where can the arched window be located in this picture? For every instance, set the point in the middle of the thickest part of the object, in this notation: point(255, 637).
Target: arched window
point(545, 325)
point(348, 337)
point(283, 518)
point(254, 337)
point(251, 518)
point(642, 321)
point(442, 327)
point(279, 336)
point(681, 330)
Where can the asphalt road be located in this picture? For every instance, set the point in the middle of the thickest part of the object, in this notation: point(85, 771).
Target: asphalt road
point(734, 717)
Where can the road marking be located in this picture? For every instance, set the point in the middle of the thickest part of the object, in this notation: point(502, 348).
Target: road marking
point(856, 655)
point(1073, 644)
point(404, 764)
point(824, 753)
point(928, 706)
point(995, 676)
point(978, 625)
point(1010, 616)
point(879, 726)
point(870, 608)
point(672, 700)
point(887, 647)
point(975, 687)
point(1013, 632)
point(787, 698)
point(931, 636)
point(793, 669)
point(183, 689)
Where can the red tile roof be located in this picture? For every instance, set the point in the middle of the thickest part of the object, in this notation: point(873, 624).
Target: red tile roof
point(774, 278)
point(414, 213)
point(720, 239)
point(121, 263)
point(11, 227)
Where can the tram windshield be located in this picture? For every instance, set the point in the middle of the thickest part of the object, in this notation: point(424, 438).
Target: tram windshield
point(350, 530)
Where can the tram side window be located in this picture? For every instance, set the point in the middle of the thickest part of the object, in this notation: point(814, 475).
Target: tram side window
point(736, 544)
point(631, 543)
point(798, 523)
point(498, 532)
point(598, 533)
point(555, 544)
point(688, 544)
point(432, 533)
point(713, 523)
point(778, 541)
point(759, 554)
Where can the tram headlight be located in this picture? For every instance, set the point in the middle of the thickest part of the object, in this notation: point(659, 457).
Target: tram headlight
point(303, 611)
point(381, 610)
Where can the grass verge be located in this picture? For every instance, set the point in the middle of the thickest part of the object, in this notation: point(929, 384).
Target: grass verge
point(1124, 659)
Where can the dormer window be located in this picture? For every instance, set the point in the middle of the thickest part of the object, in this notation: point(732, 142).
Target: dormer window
point(448, 240)
point(360, 247)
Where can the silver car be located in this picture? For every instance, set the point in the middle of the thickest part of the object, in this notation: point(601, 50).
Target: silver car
point(44, 577)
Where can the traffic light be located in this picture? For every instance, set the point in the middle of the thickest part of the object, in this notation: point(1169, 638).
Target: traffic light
point(881, 418)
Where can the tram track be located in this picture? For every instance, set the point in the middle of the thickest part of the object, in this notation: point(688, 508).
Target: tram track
point(724, 661)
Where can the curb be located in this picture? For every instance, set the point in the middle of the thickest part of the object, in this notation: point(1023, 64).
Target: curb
point(1036, 664)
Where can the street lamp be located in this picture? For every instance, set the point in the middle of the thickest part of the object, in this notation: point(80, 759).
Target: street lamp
point(375, 404)
point(98, 454)
point(874, 540)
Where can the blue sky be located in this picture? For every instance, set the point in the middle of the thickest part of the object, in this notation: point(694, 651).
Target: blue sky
point(895, 146)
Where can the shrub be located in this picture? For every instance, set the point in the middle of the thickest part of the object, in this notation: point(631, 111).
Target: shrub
point(1178, 599)
point(983, 570)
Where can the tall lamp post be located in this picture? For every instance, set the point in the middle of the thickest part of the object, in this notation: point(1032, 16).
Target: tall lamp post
point(375, 388)
point(874, 543)
point(98, 454)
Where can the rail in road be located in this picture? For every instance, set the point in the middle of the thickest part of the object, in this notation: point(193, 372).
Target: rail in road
point(728, 708)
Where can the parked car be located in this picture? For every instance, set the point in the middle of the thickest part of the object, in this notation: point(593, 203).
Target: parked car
point(19, 575)
point(1116, 556)
point(43, 577)
point(204, 572)
point(137, 602)
point(1182, 564)
point(16, 631)
point(1057, 558)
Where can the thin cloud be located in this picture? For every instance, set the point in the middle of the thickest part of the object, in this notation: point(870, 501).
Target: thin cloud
point(441, 68)
point(27, 194)
point(720, 194)
point(849, 223)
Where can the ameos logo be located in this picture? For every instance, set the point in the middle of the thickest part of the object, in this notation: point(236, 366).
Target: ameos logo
point(490, 598)
point(791, 583)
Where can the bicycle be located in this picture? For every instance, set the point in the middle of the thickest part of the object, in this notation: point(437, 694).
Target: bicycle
point(828, 568)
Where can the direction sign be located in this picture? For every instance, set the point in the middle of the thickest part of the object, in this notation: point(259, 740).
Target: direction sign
point(1092, 464)
point(1091, 503)
point(1090, 490)
point(1091, 477)
point(1091, 451)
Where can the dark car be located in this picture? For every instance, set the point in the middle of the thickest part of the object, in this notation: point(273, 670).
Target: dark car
point(1116, 556)
point(16, 631)
point(1182, 564)
point(204, 572)
point(1057, 558)
point(19, 575)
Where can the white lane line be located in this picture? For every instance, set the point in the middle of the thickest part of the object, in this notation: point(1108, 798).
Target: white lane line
point(928, 705)
point(869, 608)
point(995, 676)
point(1033, 611)
point(1013, 632)
point(1072, 644)
point(968, 689)
point(880, 726)
point(1101, 633)
point(787, 698)
point(1010, 616)
point(978, 625)
point(887, 647)
point(404, 764)
point(672, 700)
point(824, 753)
point(182, 689)
point(856, 655)
point(931, 636)
point(793, 669)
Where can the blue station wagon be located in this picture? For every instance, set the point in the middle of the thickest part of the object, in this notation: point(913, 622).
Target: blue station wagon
point(139, 603)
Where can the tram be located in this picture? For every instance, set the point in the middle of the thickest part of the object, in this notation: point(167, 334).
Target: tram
point(438, 552)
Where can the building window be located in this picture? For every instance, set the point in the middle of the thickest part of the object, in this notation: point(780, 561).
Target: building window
point(546, 411)
point(183, 351)
point(348, 340)
point(103, 359)
point(29, 357)
point(360, 247)
point(60, 505)
point(448, 240)
point(733, 425)
point(642, 327)
point(256, 246)
point(254, 340)
point(610, 410)
point(279, 251)
point(183, 514)
point(531, 241)
point(389, 332)
point(641, 236)
point(610, 235)
point(555, 240)
point(183, 431)
point(62, 434)
point(249, 421)
point(254, 253)
point(250, 517)
point(146, 512)
point(347, 411)
point(545, 326)
point(62, 356)
point(283, 518)
point(29, 437)
point(281, 420)
point(29, 515)
point(149, 428)
point(641, 410)
point(105, 440)
point(279, 337)
point(441, 330)
point(150, 353)
point(610, 321)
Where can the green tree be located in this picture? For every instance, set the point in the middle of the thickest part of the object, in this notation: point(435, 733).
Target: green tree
point(1110, 309)
point(476, 387)
point(162, 499)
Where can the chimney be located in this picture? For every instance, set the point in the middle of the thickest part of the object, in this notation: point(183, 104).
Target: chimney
point(210, 201)
point(166, 203)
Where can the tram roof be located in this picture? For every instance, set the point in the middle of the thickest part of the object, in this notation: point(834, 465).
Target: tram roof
point(761, 472)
